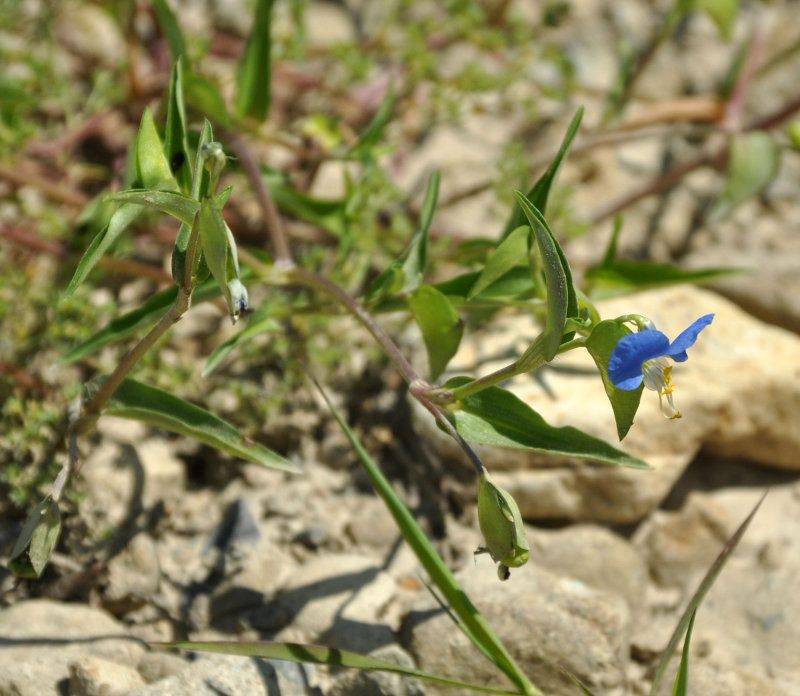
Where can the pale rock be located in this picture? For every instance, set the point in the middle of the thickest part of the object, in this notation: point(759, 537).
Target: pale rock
point(739, 394)
point(363, 683)
point(42, 637)
point(342, 600)
point(232, 675)
point(758, 245)
point(133, 575)
point(594, 555)
point(94, 676)
point(708, 677)
point(159, 665)
point(92, 32)
point(746, 619)
point(543, 620)
point(371, 524)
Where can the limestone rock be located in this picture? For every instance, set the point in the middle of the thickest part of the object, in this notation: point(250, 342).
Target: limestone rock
point(94, 676)
point(42, 637)
point(746, 619)
point(362, 683)
point(343, 600)
point(233, 675)
point(542, 619)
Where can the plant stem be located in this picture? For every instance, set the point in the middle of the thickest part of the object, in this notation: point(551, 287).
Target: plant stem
point(273, 222)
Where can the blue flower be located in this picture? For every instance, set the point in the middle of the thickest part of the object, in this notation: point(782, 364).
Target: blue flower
point(642, 357)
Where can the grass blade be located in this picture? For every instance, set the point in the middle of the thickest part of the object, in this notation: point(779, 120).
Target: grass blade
point(700, 594)
point(439, 573)
point(682, 679)
point(321, 655)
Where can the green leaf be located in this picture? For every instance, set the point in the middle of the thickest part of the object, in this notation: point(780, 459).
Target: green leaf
point(372, 133)
point(511, 251)
point(219, 250)
point(477, 626)
point(200, 183)
point(495, 416)
point(36, 541)
point(562, 301)
point(170, 28)
point(415, 259)
point(722, 12)
point(152, 167)
point(205, 97)
point(540, 192)
point(321, 655)
point(440, 324)
point(681, 686)
point(407, 272)
point(753, 164)
point(179, 205)
point(516, 283)
point(259, 323)
point(140, 318)
point(625, 277)
point(161, 409)
point(328, 214)
point(176, 145)
point(253, 78)
point(600, 344)
point(120, 220)
point(700, 594)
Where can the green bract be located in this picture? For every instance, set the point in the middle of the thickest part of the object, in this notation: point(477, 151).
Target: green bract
point(501, 525)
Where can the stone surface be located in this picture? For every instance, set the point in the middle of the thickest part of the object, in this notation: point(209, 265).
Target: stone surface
point(746, 619)
point(739, 393)
point(232, 675)
point(357, 683)
point(343, 600)
point(544, 621)
point(94, 676)
point(40, 638)
point(594, 555)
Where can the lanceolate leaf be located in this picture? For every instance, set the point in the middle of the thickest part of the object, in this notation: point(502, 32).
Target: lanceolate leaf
point(170, 28)
point(37, 540)
point(120, 220)
point(510, 253)
point(142, 317)
point(320, 655)
point(200, 184)
point(175, 143)
point(601, 344)
point(253, 79)
point(259, 323)
point(562, 301)
point(152, 167)
point(624, 277)
point(407, 272)
point(371, 135)
point(161, 409)
point(440, 324)
point(754, 161)
point(415, 259)
point(540, 193)
point(495, 416)
point(179, 205)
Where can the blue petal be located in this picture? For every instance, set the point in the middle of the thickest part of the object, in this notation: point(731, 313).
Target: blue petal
point(677, 350)
point(630, 353)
